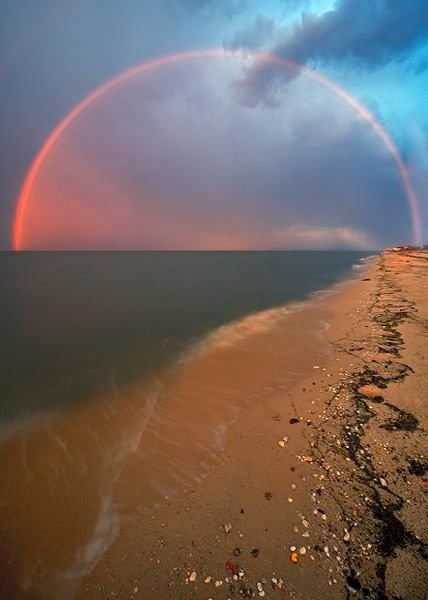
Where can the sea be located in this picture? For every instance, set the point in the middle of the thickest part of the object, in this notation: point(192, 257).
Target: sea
point(119, 367)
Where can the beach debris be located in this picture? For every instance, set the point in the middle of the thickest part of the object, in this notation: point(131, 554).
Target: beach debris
point(346, 536)
point(236, 551)
point(281, 443)
point(255, 552)
point(227, 527)
point(315, 367)
point(218, 582)
point(193, 576)
point(294, 420)
point(371, 391)
point(208, 579)
point(302, 550)
point(290, 500)
point(294, 557)
point(293, 548)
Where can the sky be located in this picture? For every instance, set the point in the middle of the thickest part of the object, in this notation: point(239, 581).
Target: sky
point(215, 151)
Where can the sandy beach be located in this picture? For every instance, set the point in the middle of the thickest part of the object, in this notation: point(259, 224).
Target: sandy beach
point(320, 491)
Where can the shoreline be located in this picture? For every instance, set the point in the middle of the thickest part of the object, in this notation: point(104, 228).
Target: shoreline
point(338, 506)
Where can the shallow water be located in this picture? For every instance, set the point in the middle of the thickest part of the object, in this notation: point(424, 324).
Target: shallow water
point(137, 362)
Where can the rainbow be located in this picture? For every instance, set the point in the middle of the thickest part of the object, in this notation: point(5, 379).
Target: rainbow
point(261, 60)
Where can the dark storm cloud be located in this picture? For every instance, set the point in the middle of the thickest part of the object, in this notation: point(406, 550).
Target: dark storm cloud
point(368, 33)
point(374, 32)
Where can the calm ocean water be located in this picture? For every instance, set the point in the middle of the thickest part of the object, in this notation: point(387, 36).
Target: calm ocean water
point(75, 324)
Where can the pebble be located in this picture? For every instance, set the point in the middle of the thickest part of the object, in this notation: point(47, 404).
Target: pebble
point(302, 550)
point(193, 576)
point(383, 482)
point(227, 527)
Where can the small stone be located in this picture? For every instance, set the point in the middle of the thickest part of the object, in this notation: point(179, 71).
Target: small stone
point(281, 443)
point(302, 550)
point(294, 557)
point(192, 576)
point(207, 579)
point(236, 552)
point(227, 527)
point(255, 552)
point(347, 536)
point(259, 586)
point(135, 589)
point(383, 482)
point(290, 500)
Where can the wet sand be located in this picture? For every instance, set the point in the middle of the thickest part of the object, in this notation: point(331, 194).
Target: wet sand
point(320, 488)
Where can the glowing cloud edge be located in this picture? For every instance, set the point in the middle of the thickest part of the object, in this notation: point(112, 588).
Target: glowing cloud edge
point(263, 58)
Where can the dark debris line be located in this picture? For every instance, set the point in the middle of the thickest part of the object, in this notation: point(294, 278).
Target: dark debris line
point(387, 312)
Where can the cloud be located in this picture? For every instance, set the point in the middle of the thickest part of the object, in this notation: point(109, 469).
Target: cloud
point(322, 238)
point(371, 34)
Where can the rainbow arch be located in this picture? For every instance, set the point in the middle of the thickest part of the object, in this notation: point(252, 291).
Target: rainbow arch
point(262, 59)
